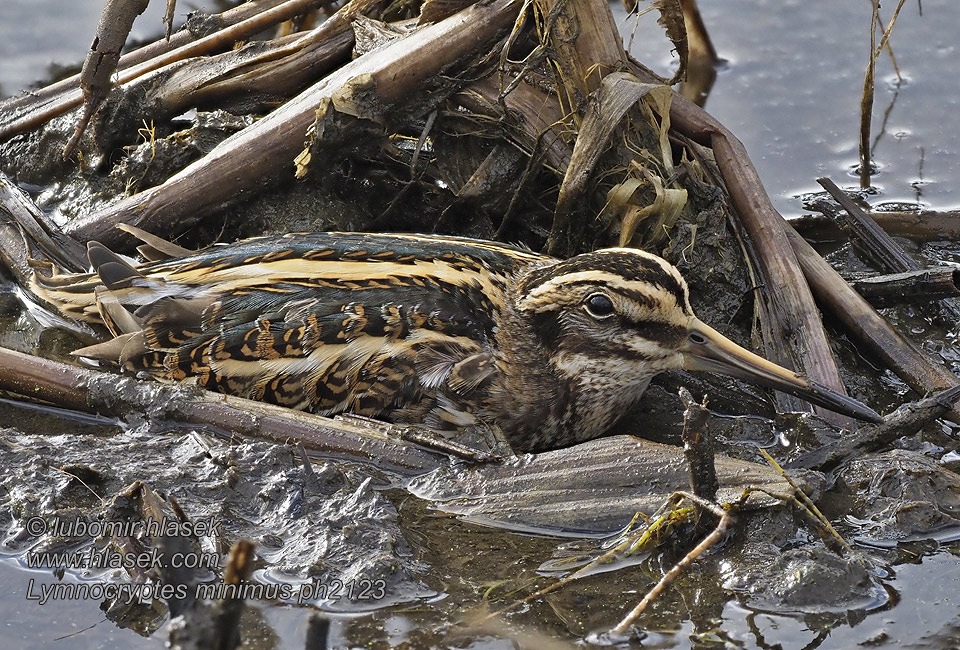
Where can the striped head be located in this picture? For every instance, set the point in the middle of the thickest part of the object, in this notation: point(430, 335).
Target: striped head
point(611, 319)
point(618, 309)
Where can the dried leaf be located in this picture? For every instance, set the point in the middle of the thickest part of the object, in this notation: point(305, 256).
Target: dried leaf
point(618, 93)
point(671, 19)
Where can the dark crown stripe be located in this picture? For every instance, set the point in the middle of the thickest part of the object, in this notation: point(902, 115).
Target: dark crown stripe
point(632, 267)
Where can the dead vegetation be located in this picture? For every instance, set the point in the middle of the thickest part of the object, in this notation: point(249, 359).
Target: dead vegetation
point(519, 120)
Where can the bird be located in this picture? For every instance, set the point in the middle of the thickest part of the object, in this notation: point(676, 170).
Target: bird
point(439, 332)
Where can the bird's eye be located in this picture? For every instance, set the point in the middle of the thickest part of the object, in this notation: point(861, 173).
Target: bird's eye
point(599, 306)
point(697, 338)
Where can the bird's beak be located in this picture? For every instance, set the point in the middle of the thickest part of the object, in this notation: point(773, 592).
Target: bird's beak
point(709, 350)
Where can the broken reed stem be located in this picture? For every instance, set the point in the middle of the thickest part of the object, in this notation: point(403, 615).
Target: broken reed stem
point(240, 565)
point(91, 391)
point(670, 576)
point(368, 87)
point(879, 248)
point(866, 100)
point(29, 101)
point(698, 447)
point(586, 47)
point(889, 29)
point(25, 120)
point(898, 353)
point(869, 85)
point(114, 27)
point(702, 56)
point(912, 287)
point(889, 48)
point(24, 226)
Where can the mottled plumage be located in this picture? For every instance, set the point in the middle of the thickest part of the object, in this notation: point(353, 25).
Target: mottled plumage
point(439, 331)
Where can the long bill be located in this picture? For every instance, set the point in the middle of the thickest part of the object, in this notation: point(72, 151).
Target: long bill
point(709, 350)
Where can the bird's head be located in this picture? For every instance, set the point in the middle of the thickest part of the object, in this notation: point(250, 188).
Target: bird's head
point(618, 316)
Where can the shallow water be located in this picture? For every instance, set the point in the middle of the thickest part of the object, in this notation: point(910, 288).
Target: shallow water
point(790, 89)
point(791, 85)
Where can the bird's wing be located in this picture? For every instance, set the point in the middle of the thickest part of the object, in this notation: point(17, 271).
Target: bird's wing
point(310, 328)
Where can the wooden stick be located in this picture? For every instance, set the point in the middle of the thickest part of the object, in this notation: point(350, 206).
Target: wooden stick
point(878, 247)
point(114, 27)
point(798, 330)
point(23, 225)
point(698, 448)
point(911, 287)
point(919, 226)
point(702, 64)
point(925, 225)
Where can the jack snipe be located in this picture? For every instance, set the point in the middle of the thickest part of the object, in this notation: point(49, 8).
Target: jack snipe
point(439, 331)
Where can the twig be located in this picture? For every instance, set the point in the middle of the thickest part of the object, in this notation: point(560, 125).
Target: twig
point(29, 101)
point(168, 15)
point(809, 508)
point(669, 514)
point(670, 576)
point(905, 421)
point(893, 59)
point(116, 21)
point(866, 101)
point(698, 448)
